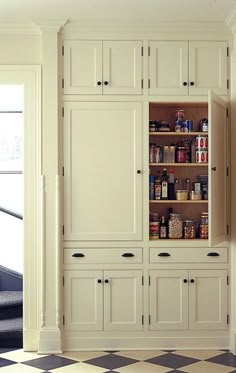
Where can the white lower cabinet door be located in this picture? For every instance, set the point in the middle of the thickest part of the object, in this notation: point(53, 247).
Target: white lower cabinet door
point(168, 299)
point(83, 300)
point(123, 300)
point(208, 299)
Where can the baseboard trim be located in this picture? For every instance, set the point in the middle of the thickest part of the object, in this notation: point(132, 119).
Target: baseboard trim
point(50, 341)
point(30, 340)
point(153, 343)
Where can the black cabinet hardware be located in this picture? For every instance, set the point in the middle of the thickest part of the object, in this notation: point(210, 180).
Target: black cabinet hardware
point(192, 280)
point(213, 254)
point(191, 83)
point(163, 254)
point(185, 280)
point(185, 83)
point(127, 255)
point(99, 281)
point(78, 255)
point(99, 83)
point(106, 281)
point(106, 82)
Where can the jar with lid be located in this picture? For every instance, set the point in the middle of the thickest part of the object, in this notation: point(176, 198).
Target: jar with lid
point(203, 229)
point(175, 226)
point(189, 229)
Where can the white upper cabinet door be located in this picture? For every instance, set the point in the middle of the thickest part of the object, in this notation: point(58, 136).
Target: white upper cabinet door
point(208, 299)
point(217, 170)
point(82, 67)
point(169, 300)
point(207, 67)
point(122, 67)
point(123, 303)
point(103, 178)
point(168, 68)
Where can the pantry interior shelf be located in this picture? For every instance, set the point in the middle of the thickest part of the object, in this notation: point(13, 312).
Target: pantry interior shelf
point(179, 164)
point(184, 134)
point(178, 201)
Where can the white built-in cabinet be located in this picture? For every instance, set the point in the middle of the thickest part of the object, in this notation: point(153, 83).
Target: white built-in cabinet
point(115, 279)
point(187, 67)
point(103, 300)
point(102, 171)
point(183, 299)
point(102, 67)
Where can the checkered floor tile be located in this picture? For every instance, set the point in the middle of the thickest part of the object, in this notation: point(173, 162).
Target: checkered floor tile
point(18, 361)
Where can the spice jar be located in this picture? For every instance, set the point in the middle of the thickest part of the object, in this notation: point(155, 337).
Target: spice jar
point(175, 226)
point(204, 225)
point(189, 229)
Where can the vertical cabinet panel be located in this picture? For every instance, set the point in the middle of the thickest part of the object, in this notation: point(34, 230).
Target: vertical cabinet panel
point(122, 67)
point(168, 67)
point(168, 300)
point(208, 67)
point(82, 67)
point(102, 188)
point(217, 171)
point(123, 300)
point(208, 299)
point(83, 300)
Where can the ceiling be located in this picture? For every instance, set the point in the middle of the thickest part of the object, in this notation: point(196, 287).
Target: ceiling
point(117, 10)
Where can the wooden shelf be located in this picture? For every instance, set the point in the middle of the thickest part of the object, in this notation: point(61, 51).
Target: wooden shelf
point(179, 164)
point(169, 201)
point(184, 134)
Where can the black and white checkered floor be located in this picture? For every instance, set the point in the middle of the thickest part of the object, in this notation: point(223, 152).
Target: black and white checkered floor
point(18, 361)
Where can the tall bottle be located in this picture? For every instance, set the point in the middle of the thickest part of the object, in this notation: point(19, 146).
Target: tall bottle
point(171, 185)
point(163, 228)
point(164, 184)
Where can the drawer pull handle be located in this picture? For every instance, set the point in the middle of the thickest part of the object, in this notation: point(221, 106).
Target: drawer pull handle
point(163, 254)
point(127, 255)
point(213, 254)
point(78, 255)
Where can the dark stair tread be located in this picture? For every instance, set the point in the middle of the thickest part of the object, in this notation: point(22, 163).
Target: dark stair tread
point(10, 298)
point(9, 326)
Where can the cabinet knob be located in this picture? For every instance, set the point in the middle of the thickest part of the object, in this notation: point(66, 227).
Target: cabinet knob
point(185, 280)
point(139, 171)
point(192, 280)
point(191, 83)
point(99, 281)
point(106, 281)
point(99, 83)
point(213, 168)
point(106, 82)
point(185, 83)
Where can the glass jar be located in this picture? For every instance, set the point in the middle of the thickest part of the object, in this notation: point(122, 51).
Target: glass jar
point(189, 229)
point(175, 226)
point(203, 229)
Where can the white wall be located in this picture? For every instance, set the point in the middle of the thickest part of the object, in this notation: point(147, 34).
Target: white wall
point(20, 49)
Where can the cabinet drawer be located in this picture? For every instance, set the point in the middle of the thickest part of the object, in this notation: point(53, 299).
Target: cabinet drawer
point(103, 255)
point(188, 254)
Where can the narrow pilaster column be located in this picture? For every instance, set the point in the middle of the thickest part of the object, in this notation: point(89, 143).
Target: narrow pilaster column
point(50, 313)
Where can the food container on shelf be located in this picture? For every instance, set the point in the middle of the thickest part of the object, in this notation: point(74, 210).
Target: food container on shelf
point(201, 155)
point(201, 142)
point(181, 195)
point(194, 196)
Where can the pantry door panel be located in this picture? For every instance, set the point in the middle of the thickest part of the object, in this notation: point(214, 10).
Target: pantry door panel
point(102, 160)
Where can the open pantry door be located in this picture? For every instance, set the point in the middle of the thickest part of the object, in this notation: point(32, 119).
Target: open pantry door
point(217, 170)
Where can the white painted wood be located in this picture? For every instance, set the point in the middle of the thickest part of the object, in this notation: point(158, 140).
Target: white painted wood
point(189, 255)
point(207, 67)
point(103, 255)
point(122, 67)
point(123, 300)
point(82, 67)
point(217, 179)
point(102, 153)
point(83, 300)
point(87, 63)
point(208, 299)
point(168, 67)
point(168, 300)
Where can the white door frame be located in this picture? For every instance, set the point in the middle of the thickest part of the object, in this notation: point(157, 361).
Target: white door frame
point(30, 77)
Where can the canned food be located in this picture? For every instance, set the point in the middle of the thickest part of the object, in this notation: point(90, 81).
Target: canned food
point(189, 125)
point(201, 142)
point(154, 230)
point(202, 156)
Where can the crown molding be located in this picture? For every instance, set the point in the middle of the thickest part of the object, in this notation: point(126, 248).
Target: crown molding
point(50, 25)
point(22, 27)
point(198, 30)
point(231, 20)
